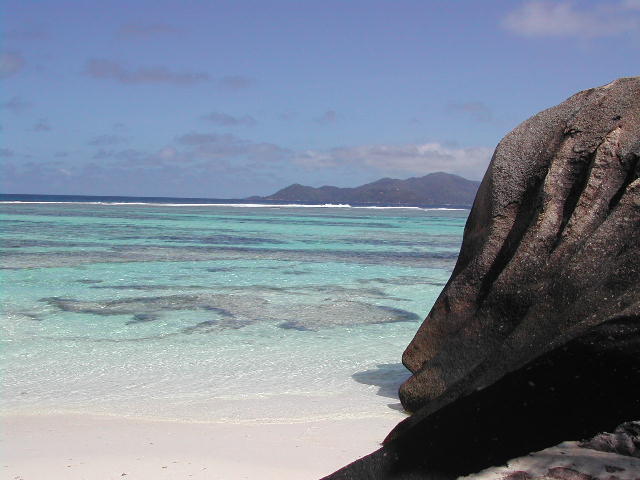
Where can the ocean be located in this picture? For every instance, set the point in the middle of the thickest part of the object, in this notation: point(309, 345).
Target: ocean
point(194, 311)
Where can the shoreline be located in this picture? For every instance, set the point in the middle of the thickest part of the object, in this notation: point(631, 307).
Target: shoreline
point(241, 205)
point(97, 447)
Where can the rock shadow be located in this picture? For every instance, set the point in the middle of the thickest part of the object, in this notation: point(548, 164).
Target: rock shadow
point(386, 376)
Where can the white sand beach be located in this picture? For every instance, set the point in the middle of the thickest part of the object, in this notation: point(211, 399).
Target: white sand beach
point(84, 447)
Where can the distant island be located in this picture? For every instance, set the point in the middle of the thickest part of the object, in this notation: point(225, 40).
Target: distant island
point(433, 189)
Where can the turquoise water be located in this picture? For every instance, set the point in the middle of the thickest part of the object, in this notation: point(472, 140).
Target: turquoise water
point(215, 313)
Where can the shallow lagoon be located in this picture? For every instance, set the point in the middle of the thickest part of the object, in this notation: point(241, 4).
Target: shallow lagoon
point(215, 313)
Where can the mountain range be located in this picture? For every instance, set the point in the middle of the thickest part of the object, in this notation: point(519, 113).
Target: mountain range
point(433, 189)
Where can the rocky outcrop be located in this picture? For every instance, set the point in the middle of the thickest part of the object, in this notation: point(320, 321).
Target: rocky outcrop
point(625, 440)
point(607, 456)
point(583, 387)
point(550, 248)
point(536, 337)
point(567, 461)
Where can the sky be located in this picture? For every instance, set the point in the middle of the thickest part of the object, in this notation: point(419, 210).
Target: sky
point(227, 99)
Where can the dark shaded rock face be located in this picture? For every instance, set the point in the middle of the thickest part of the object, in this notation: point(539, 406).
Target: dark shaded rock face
point(583, 387)
point(550, 248)
point(536, 337)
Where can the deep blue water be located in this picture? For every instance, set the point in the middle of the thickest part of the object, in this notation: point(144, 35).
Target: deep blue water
point(17, 197)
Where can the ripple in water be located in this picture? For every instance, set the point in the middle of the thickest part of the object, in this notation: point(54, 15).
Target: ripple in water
point(210, 314)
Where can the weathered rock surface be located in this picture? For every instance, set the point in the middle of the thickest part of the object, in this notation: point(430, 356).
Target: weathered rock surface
point(550, 248)
point(625, 440)
point(567, 461)
point(536, 337)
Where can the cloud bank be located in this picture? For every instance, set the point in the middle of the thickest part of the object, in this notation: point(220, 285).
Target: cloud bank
point(144, 30)
point(327, 118)
point(226, 166)
point(15, 105)
point(235, 82)
point(107, 140)
point(411, 159)
point(226, 120)
point(42, 125)
point(219, 146)
point(478, 111)
point(567, 19)
point(10, 64)
point(104, 69)
point(110, 70)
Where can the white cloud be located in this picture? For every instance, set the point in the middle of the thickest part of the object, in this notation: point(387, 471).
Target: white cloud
point(235, 82)
point(213, 146)
point(412, 159)
point(167, 153)
point(327, 118)
point(33, 33)
point(16, 105)
point(104, 69)
point(140, 30)
point(10, 64)
point(566, 19)
point(226, 120)
point(110, 70)
point(42, 125)
point(631, 4)
point(478, 111)
point(106, 140)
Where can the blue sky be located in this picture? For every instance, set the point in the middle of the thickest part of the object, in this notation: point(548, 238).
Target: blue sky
point(229, 99)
